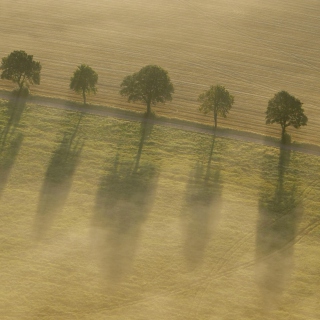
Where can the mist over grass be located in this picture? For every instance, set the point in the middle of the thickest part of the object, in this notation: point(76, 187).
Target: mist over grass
point(105, 218)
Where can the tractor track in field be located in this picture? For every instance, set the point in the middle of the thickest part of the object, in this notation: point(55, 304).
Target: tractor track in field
point(220, 270)
point(226, 259)
point(276, 47)
point(203, 284)
point(187, 127)
point(254, 55)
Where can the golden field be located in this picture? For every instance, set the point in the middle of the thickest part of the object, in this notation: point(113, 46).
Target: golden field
point(88, 231)
point(86, 236)
point(254, 48)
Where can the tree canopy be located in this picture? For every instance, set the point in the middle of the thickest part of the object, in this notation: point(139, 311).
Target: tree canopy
point(285, 110)
point(149, 86)
point(84, 81)
point(217, 100)
point(20, 68)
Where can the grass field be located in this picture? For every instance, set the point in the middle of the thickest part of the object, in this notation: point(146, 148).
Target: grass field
point(254, 48)
point(110, 219)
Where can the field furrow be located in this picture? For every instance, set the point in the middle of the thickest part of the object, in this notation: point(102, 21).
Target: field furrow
point(254, 49)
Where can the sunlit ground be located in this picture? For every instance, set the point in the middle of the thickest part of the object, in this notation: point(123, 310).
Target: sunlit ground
point(254, 48)
point(109, 219)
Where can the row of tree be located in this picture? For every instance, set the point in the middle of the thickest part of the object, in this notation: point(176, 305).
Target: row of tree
point(151, 85)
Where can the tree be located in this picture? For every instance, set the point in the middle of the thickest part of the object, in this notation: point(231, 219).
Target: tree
point(19, 67)
point(84, 81)
point(285, 110)
point(217, 100)
point(149, 86)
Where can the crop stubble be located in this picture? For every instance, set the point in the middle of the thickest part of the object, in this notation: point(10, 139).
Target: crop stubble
point(255, 49)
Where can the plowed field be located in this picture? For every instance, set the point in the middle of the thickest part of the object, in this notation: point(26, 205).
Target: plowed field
point(254, 48)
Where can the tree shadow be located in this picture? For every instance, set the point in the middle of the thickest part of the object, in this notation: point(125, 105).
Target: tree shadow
point(210, 155)
point(10, 138)
point(279, 214)
point(58, 177)
point(145, 132)
point(124, 199)
point(201, 211)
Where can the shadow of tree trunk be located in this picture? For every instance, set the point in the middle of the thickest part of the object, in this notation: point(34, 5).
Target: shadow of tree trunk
point(58, 178)
point(10, 139)
point(145, 132)
point(210, 155)
point(124, 199)
point(279, 215)
point(201, 212)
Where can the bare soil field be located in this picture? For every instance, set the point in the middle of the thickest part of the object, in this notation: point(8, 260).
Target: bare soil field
point(254, 48)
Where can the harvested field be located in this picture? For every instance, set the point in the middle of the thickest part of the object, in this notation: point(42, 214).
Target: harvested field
point(188, 235)
point(254, 48)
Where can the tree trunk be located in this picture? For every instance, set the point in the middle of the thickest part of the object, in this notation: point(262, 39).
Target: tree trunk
point(148, 108)
point(20, 84)
point(283, 133)
point(84, 96)
point(215, 116)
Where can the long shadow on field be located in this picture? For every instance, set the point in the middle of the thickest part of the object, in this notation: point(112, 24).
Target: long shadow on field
point(201, 211)
point(145, 132)
point(10, 137)
point(58, 178)
point(210, 156)
point(279, 215)
point(124, 199)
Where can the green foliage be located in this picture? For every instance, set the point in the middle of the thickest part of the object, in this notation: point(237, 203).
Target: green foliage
point(150, 85)
point(20, 68)
point(84, 81)
point(285, 110)
point(217, 100)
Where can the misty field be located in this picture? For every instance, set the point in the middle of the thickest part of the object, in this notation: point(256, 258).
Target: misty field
point(110, 219)
point(254, 48)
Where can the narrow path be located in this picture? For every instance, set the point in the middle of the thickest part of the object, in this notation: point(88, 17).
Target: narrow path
point(119, 114)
